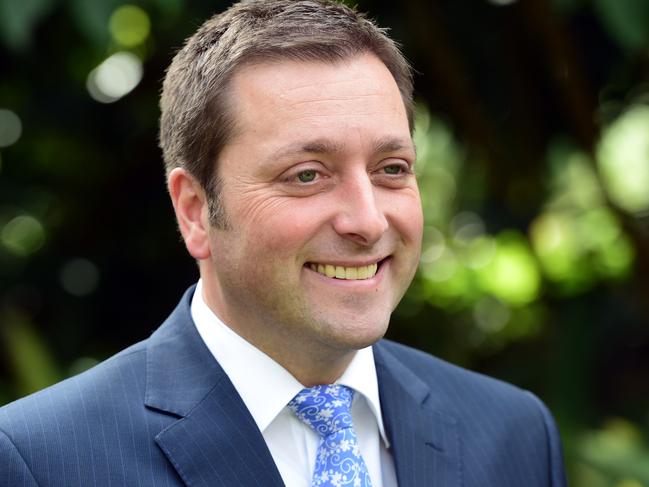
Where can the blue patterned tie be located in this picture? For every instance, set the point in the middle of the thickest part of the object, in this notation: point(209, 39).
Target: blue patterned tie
point(326, 409)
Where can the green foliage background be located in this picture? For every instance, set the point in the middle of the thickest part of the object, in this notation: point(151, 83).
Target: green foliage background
point(533, 142)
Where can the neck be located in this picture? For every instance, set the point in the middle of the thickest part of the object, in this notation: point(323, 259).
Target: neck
point(311, 371)
point(310, 362)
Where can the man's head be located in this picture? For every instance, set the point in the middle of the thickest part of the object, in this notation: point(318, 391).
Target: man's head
point(315, 169)
point(197, 117)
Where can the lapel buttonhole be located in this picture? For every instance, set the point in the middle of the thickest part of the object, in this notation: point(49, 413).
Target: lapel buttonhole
point(434, 446)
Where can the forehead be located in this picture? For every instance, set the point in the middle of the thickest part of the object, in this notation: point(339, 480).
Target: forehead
point(358, 93)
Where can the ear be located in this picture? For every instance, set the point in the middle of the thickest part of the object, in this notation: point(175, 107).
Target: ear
point(190, 205)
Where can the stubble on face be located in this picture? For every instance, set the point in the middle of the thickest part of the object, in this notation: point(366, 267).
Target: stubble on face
point(258, 279)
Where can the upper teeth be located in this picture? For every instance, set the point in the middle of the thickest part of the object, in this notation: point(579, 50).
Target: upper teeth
point(341, 272)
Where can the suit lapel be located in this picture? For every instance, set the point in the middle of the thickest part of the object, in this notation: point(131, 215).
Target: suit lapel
point(425, 441)
point(215, 440)
point(218, 443)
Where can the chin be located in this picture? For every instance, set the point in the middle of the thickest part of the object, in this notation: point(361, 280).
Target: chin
point(357, 334)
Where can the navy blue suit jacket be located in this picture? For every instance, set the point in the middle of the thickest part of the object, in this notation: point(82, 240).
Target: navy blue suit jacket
point(163, 413)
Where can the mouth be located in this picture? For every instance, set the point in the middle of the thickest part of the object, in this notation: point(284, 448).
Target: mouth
point(335, 271)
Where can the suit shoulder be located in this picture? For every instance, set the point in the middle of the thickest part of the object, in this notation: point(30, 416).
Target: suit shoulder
point(452, 380)
point(501, 421)
point(79, 431)
point(486, 406)
point(116, 379)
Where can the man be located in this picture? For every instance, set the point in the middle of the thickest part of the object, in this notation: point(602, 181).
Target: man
point(286, 132)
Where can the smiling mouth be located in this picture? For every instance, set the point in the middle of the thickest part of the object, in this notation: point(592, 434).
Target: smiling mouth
point(345, 272)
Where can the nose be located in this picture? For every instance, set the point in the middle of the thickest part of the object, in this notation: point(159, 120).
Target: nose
point(360, 217)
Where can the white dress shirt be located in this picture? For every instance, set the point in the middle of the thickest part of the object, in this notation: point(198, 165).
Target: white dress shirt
point(266, 388)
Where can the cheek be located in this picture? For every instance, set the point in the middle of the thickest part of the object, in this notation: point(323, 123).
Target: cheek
point(284, 228)
point(406, 216)
point(416, 223)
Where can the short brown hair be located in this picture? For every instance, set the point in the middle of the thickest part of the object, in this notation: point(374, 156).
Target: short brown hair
point(196, 122)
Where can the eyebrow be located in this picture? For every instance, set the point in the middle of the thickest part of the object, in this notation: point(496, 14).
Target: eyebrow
point(327, 146)
point(393, 144)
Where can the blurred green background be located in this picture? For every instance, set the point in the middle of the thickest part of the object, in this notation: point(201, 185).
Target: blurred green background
point(533, 139)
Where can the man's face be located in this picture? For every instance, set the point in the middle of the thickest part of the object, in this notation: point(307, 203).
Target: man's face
point(318, 180)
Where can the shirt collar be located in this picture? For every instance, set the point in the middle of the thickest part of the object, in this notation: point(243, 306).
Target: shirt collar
point(264, 385)
point(361, 376)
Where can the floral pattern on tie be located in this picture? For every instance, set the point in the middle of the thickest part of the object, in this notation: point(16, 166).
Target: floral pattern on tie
point(326, 409)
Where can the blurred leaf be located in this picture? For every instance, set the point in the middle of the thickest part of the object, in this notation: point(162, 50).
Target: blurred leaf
point(33, 366)
point(627, 21)
point(170, 8)
point(129, 25)
point(512, 275)
point(23, 235)
point(93, 18)
point(617, 450)
point(623, 159)
point(18, 19)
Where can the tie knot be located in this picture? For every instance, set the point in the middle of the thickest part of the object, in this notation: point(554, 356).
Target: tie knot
point(326, 408)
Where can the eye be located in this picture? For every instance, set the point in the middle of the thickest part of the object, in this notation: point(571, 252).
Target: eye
point(398, 168)
point(393, 169)
point(307, 176)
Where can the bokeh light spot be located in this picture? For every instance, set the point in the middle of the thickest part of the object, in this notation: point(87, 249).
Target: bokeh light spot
point(623, 159)
point(512, 275)
point(115, 77)
point(601, 227)
point(501, 3)
point(438, 188)
point(443, 268)
point(574, 182)
point(439, 159)
point(11, 128)
point(479, 252)
point(616, 438)
point(555, 243)
point(433, 244)
point(575, 248)
point(23, 235)
point(490, 314)
point(79, 277)
point(616, 259)
point(629, 483)
point(449, 285)
point(129, 25)
point(467, 226)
